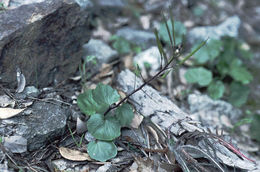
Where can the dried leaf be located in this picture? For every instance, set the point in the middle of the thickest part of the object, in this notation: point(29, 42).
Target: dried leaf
point(128, 61)
point(154, 133)
point(6, 113)
point(74, 155)
point(145, 21)
point(75, 78)
point(20, 80)
point(81, 126)
point(137, 120)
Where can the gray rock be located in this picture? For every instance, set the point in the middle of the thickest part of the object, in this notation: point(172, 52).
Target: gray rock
point(212, 112)
point(15, 144)
point(65, 165)
point(85, 4)
point(4, 164)
point(99, 49)
point(227, 28)
point(31, 91)
point(46, 123)
point(44, 40)
point(101, 53)
point(150, 56)
point(18, 3)
point(141, 38)
point(88, 137)
point(110, 3)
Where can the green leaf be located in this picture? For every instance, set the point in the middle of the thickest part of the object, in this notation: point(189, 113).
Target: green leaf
point(179, 29)
point(198, 75)
point(255, 128)
point(92, 59)
point(222, 67)
point(137, 70)
point(104, 96)
point(97, 100)
point(241, 74)
point(124, 114)
point(239, 94)
point(121, 45)
point(87, 104)
point(159, 45)
point(165, 74)
point(137, 49)
point(208, 52)
point(103, 128)
point(216, 89)
point(101, 150)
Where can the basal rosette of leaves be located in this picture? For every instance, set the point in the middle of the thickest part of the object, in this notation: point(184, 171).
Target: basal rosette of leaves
point(219, 61)
point(105, 128)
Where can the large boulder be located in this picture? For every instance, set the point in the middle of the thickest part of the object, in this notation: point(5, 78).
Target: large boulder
point(44, 40)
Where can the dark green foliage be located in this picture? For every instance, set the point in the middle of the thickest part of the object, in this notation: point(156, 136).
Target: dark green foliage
point(239, 94)
point(104, 127)
point(101, 150)
point(225, 59)
point(216, 89)
point(199, 75)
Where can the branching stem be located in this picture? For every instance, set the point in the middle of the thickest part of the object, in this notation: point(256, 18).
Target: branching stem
point(113, 106)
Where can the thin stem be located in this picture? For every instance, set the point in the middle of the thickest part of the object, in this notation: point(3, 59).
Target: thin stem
point(113, 106)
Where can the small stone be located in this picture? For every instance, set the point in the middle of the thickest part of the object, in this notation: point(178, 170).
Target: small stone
point(110, 3)
point(144, 39)
point(89, 137)
point(96, 53)
point(15, 144)
point(149, 57)
point(31, 91)
point(227, 28)
point(208, 109)
point(102, 52)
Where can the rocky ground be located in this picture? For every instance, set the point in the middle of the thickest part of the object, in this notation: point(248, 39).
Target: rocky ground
point(43, 45)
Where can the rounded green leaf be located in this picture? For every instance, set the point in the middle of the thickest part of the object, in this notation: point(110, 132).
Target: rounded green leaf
point(199, 75)
point(124, 114)
point(216, 89)
point(241, 74)
point(239, 94)
point(102, 128)
point(104, 96)
point(101, 150)
point(87, 104)
point(208, 52)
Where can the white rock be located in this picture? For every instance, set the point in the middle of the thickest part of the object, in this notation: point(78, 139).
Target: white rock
point(227, 28)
